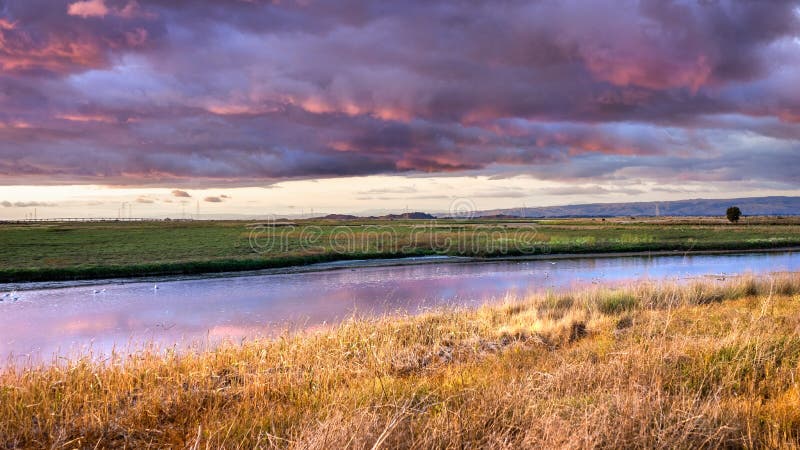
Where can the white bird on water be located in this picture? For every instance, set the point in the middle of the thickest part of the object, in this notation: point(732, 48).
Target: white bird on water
point(155, 287)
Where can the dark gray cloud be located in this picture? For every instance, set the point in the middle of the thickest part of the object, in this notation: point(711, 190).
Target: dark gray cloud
point(213, 200)
point(232, 92)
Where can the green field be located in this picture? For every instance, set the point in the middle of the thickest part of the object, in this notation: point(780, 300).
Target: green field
point(64, 251)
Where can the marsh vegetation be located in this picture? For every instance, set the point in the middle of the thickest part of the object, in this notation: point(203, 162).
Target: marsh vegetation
point(33, 252)
point(708, 364)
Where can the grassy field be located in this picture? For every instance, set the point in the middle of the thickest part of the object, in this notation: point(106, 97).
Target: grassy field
point(705, 365)
point(63, 251)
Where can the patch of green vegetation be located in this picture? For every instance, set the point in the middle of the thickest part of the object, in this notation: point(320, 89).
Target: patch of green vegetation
point(616, 303)
point(64, 251)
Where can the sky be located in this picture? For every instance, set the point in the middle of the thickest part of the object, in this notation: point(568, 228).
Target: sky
point(163, 108)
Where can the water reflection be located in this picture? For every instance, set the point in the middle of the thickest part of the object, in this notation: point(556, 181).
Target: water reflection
point(64, 320)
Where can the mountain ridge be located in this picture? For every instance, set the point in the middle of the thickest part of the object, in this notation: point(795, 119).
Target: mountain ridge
point(702, 207)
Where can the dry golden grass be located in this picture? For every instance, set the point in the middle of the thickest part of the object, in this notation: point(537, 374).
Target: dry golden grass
point(659, 366)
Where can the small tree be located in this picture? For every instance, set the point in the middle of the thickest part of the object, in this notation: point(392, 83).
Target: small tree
point(733, 213)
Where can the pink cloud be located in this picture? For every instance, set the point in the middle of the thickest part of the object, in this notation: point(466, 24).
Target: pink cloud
point(653, 73)
point(98, 8)
point(88, 8)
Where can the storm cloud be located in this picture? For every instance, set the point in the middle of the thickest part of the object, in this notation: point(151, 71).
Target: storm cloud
point(231, 92)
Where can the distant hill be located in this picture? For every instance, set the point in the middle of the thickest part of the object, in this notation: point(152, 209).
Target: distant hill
point(339, 217)
point(754, 206)
point(411, 215)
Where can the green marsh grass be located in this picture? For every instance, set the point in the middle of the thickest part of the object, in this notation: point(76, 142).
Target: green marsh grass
point(68, 251)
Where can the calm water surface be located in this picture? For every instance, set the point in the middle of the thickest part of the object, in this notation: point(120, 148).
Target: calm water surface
point(65, 320)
